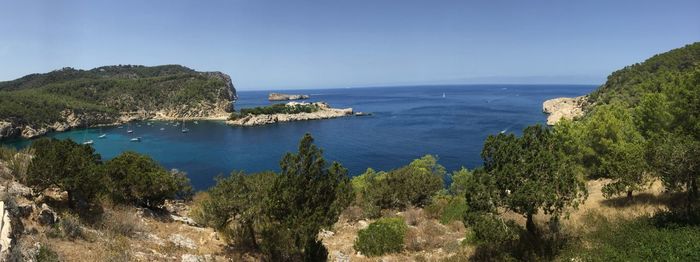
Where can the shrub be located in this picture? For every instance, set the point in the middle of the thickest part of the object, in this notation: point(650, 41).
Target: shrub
point(411, 185)
point(46, 254)
point(71, 226)
point(384, 236)
point(138, 179)
point(447, 208)
point(69, 166)
point(121, 221)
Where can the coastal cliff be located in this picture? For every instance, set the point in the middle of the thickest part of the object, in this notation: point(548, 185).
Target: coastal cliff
point(285, 97)
point(324, 112)
point(564, 108)
point(60, 100)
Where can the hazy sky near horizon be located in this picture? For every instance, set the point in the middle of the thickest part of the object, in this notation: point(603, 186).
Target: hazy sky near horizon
point(319, 44)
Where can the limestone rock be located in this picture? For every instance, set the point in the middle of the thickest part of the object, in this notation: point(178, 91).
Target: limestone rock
point(18, 189)
point(283, 97)
point(182, 241)
point(563, 108)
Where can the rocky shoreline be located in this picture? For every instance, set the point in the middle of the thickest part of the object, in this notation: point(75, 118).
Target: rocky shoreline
point(324, 112)
point(564, 108)
point(284, 97)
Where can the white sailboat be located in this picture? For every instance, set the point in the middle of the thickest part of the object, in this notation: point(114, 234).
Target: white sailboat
point(129, 130)
point(85, 141)
point(184, 129)
point(102, 134)
point(443, 95)
point(136, 139)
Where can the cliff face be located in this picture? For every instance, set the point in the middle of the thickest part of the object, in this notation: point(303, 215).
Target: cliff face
point(58, 101)
point(563, 108)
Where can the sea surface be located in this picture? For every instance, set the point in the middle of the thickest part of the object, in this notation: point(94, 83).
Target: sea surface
point(406, 123)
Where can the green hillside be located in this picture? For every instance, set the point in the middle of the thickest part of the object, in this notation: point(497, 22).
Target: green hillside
point(38, 99)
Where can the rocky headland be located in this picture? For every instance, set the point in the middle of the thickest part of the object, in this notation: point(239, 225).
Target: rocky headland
point(564, 108)
point(324, 112)
point(131, 93)
point(285, 97)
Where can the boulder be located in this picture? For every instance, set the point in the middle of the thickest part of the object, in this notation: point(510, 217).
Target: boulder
point(18, 189)
point(47, 216)
point(182, 241)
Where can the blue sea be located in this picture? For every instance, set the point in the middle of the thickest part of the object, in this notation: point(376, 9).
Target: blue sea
point(406, 123)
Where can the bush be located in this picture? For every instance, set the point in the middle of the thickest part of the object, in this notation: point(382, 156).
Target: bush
point(121, 221)
point(138, 179)
point(384, 236)
point(411, 185)
point(635, 240)
point(46, 254)
point(447, 208)
point(71, 226)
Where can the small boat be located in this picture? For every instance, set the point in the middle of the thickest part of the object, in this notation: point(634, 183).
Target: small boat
point(362, 114)
point(103, 136)
point(162, 128)
point(443, 95)
point(129, 131)
point(136, 139)
point(89, 142)
point(196, 122)
point(184, 129)
point(120, 127)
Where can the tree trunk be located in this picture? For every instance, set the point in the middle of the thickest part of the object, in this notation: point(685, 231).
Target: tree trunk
point(629, 195)
point(530, 224)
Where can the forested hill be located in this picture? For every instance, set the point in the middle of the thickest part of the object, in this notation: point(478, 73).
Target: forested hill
point(65, 98)
point(628, 85)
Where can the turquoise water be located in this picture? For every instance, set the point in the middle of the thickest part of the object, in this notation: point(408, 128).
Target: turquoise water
point(407, 122)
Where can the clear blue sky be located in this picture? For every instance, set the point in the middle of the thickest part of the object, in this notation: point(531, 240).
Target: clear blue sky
point(316, 44)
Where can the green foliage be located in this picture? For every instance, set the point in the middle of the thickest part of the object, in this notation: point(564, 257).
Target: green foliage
point(308, 194)
point(411, 185)
point(447, 208)
point(460, 179)
point(634, 240)
point(280, 215)
point(70, 166)
point(138, 179)
point(40, 98)
point(384, 236)
point(275, 109)
point(528, 174)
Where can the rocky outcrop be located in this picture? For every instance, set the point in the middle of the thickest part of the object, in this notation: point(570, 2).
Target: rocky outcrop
point(5, 232)
point(564, 108)
point(324, 112)
point(285, 97)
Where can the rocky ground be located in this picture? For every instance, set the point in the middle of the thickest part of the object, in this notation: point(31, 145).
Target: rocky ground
point(324, 112)
point(563, 108)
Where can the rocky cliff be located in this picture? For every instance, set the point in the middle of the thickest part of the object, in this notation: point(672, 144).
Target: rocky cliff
point(563, 108)
point(324, 112)
point(60, 100)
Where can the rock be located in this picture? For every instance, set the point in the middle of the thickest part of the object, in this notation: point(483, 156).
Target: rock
point(18, 189)
point(324, 112)
point(47, 216)
point(340, 257)
point(362, 224)
point(325, 234)
point(182, 241)
point(25, 210)
point(5, 231)
point(564, 108)
point(283, 97)
point(7, 130)
point(185, 220)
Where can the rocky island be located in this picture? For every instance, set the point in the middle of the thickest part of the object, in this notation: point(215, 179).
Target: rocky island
point(36, 104)
point(292, 111)
point(564, 108)
point(285, 97)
